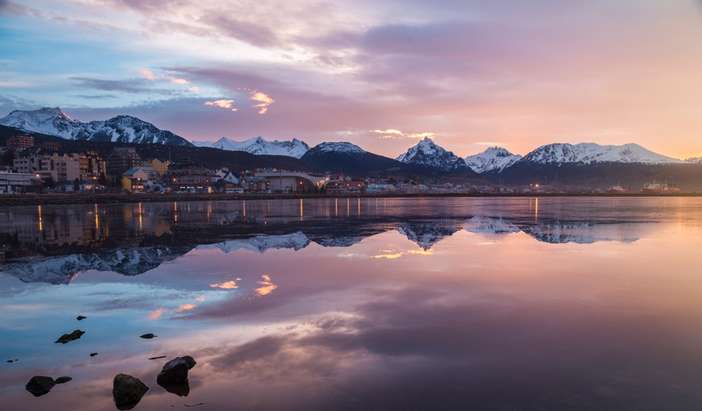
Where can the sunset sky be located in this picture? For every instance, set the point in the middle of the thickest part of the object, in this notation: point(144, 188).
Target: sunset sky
point(381, 74)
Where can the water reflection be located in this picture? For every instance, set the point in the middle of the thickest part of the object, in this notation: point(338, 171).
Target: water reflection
point(132, 239)
point(399, 304)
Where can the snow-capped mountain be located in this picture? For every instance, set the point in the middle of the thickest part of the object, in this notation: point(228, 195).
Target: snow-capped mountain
point(584, 232)
point(61, 269)
point(490, 225)
point(338, 147)
point(263, 242)
point(260, 146)
point(426, 234)
point(492, 159)
point(428, 154)
point(587, 153)
point(119, 129)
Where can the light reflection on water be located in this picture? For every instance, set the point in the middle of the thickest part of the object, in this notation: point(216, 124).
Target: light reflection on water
point(570, 303)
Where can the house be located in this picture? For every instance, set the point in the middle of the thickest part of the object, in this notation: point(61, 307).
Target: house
point(228, 182)
point(136, 179)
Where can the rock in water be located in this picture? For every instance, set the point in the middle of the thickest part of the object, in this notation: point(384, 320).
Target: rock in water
point(81, 318)
point(74, 335)
point(174, 375)
point(127, 391)
point(39, 385)
point(62, 380)
point(148, 336)
point(93, 354)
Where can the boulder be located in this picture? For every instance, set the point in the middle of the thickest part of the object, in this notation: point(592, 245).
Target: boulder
point(81, 318)
point(174, 375)
point(66, 338)
point(62, 380)
point(39, 385)
point(93, 354)
point(148, 336)
point(127, 391)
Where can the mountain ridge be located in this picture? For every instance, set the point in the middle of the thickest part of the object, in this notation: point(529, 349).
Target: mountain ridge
point(493, 159)
point(119, 129)
point(427, 153)
point(260, 146)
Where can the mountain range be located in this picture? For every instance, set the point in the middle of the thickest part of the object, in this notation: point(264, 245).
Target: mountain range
point(119, 129)
point(559, 163)
point(260, 146)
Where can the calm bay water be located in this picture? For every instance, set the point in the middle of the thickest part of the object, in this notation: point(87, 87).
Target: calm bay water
point(359, 304)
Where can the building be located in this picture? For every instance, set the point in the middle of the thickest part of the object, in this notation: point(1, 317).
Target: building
point(256, 184)
point(161, 167)
point(20, 142)
point(136, 179)
point(120, 160)
point(345, 186)
point(191, 178)
point(56, 167)
point(50, 146)
point(12, 183)
point(375, 188)
point(92, 167)
point(659, 188)
point(289, 184)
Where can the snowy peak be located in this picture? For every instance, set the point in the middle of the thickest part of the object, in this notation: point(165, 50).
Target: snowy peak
point(338, 147)
point(426, 153)
point(46, 120)
point(588, 153)
point(492, 159)
point(260, 146)
point(119, 129)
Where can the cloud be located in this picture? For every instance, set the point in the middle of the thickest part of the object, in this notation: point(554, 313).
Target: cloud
point(392, 133)
point(156, 314)
point(130, 86)
point(185, 307)
point(389, 132)
point(248, 32)
point(96, 96)
point(147, 74)
point(263, 101)
point(266, 286)
point(176, 80)
point(226, 104)
point(225, 285)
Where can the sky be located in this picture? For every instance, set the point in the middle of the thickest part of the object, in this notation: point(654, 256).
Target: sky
point(467, 73)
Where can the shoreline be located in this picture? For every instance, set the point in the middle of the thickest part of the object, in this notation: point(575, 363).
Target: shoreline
point(123, 198)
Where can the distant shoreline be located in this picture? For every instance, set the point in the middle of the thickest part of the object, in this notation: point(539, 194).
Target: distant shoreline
point(119, 198)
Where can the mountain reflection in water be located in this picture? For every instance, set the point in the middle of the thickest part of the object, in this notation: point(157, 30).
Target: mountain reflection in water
point(51, 244)
point(361, 304)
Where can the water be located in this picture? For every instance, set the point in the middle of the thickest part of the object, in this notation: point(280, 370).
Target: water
point(370, 304)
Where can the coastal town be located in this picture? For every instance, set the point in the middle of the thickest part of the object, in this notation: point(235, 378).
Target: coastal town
point(31, 167)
